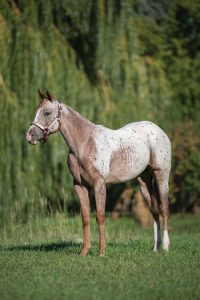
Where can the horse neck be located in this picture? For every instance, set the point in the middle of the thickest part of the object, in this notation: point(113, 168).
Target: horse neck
point(75, 129)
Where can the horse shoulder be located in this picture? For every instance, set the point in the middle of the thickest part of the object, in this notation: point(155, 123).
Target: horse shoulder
point(82, 165)
point(74, 167)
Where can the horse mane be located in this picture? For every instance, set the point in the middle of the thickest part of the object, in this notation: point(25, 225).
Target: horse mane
point(76, 114)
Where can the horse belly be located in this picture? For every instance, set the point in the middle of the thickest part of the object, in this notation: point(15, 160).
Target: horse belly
point(127, 163)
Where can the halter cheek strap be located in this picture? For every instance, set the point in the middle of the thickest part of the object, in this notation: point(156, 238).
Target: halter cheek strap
point(38, 125)
point(50, 128)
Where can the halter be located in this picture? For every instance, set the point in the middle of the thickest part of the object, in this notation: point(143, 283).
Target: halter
point(46, 129)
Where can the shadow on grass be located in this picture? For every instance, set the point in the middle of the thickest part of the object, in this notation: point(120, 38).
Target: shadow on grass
point(68, 246)
point(71, 247)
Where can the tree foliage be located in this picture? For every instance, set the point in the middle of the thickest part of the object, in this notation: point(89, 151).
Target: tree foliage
point(113, 61)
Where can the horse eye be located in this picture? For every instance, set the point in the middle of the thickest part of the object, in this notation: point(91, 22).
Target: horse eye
point(47, 113)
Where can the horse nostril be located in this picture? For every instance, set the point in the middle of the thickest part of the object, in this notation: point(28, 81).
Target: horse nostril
point(31, 133)
point(29, 136)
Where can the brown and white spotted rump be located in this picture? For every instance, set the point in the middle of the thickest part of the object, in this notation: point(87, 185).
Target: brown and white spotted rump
point(98, 155)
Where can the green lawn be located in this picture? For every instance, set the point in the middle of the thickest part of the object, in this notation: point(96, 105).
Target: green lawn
point(39, 260)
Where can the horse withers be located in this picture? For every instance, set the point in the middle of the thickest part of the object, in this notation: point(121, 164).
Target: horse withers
point(98, 155)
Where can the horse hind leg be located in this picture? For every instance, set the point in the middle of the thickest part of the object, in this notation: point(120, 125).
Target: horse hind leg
point(149, 192)
point(163, 189)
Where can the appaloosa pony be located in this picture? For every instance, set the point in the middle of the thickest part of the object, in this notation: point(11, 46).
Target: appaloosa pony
point(98, 155)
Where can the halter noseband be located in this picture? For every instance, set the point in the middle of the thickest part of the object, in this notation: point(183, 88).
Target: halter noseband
point(45, 129)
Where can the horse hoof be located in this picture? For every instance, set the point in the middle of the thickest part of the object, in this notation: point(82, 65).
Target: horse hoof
point(166, 250)
point(84, 252)
point(101, 254)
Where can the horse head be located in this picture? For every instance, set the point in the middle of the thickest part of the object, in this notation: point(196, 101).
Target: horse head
point(47, 119)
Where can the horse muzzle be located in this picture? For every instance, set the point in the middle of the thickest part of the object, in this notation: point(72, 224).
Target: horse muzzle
point(30, 139)
point(34, 136)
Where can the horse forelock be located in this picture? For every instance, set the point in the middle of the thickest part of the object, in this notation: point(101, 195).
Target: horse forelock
point(42, 102)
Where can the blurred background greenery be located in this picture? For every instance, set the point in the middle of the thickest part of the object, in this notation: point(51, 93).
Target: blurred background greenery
point(115, 62)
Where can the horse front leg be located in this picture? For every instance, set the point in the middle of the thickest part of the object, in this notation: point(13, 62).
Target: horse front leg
point(83, 195)
point(100, 197)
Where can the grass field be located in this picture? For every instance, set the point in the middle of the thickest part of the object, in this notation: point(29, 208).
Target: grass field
point(39, 260)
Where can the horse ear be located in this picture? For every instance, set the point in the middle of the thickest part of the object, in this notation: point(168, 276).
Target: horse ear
point(42, 96)
point(50, 97)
